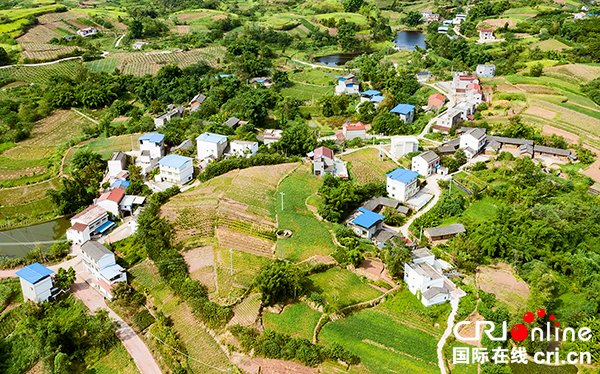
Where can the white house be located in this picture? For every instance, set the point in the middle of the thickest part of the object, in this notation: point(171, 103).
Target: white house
point(402, 184)
point(442, 30)
point(365, 223)
point(406, 112)
point(271, 136)
point(461, 80)
point(424, 277)
point(347, 85)
point(473, 141)
point(175, 112)
point(138, 45)
point(447, 120)
point(130, 202)
point(117, 164)
point(486, 71)
point(211, 146)
point(402, 145)
point(197, 102)
point(90, 222)
point(426, 163)
point(87, 31)
point(354, 130)
point(176, 169)
point(243, 148)
point(36, 282)
point(465, 109)
point(111, 201)
point(100, 262)
point(154, 145)
point(486, 34)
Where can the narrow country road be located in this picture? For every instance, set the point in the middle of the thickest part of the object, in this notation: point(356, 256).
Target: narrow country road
point(83, 115)
point(317, 65)
point(119, 40)
point(436, 196)
point(104, 54)
point(93, 300)
point(442, 342)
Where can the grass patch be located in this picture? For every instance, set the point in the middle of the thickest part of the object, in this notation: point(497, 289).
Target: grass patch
point(310, 236)
point(461, 368)
point(104, 65)
point(367, 167)
point(296, 320)
point(117, 361)
point(341, 287)
point(106, 146)
point(306, 92)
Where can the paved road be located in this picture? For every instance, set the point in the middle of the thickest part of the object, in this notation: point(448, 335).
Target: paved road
point(10, 273)
point(119, 40)
point(442, 342)
point(432, 187)
point(81, 114)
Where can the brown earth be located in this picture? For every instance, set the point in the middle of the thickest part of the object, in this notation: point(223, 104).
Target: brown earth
point(199, 258)
point(218, 17)
point(496, 23)
point(537, 111)
point(592, 171)
point(283, 367)
point(499, 280)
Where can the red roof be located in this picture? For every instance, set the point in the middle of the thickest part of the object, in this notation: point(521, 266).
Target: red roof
point(115, 195)
point(470, 117)
point(467, 77)
point(474, 86)
point(354, 126)
point(79, 227)
point(441, 127)
point(486, 30)
point(323, 152)
point(436, 100)
point(460, 90)
point(107, 287)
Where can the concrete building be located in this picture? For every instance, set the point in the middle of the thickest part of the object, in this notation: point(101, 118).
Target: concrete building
point(402, 145)
point(211, 145)
point(473, 141)
point(348, 85)
point(138, 45)
point(36, 283)
point(354, 130)
point(442, 30)
point(402, 184)
point(486, 34)
point(111, 201)
point(447, 121)
point(117, 164)
point(152, 145)
point(561, 154)
point(233, 122)
point(436, 101)
point(423, 277)
point(271, 136)
point(176, 169)
point(406, 112)
point(487, 71)
point(88, 31)
point(366, 223)
point(242, 148)
point(175, 112)
point(426, 163)
point(91, 222)
point(100, 262)
point(322, 161)
point(444, 232)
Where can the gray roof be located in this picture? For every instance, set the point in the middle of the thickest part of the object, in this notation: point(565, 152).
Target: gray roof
point(118, 156)
point(429, 156)
point(434, 291)
point(477, 133)
point(464, 130)
point(94, 250)
point(514, 141)
point(199, 98)
point(145, 152)
point(232, 121)
point(527, 148)
point(453, 229)
point(554, 151)
point(470, 150)
point(454, 142)
point(402, 209)
point(493, 144)
point(421, 252)
point(374, 202)
point(186, 144)
point(447, 149)
point(384, 235)
point(425, 270)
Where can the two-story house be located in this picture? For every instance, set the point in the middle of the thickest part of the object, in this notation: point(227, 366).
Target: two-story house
point(365, 223)
point(426, 163)
point(196, 102)
point(152, 146)
point(271, 136)
point(100, 262)
point(354, 130)
point(174, 112)
point(92, 221)
point(243, 148)
point(36, 282)
point(424, 278)
point(348, 85)
point(402, 184)
point(210, 146)
point(402, 145)
point(111, 201)
point(473, 141)
point(176, 169)
point(117, 164)
point(485, 70)
point(406, 112)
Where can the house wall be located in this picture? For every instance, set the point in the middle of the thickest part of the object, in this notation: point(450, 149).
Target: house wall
point(78, 237)
point(38, 292)
point(116, 166)
point(206, 149)
point(400, 191)
point(407, 118)
point(111, 206)
point(178, 176)
point(156, 150)
point(400, 148)
point(241, 149)
point(351, 134)
point(92, 226)
point(437, 299)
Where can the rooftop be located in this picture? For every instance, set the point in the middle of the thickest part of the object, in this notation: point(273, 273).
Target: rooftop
point(429, 156)
point(78, 227)
point(403, 109)
point(232, 121)
point(515, 141)
point(323, 152)
point(118, 156)
point(34, 273)
point(370, 93)
point(477, 133)
point(174, 161)
point(211, 138)
point(152, 137)
point(94, 250)
point(367, 218)
point(199, 98)
point(552, 150)
point(403, 175)
point(420, 253)
point(90, 214)
point(425, 270)
point(354, 126)
point(375, 202)
point(486, 30)
point(453, 229)
point(116, 194)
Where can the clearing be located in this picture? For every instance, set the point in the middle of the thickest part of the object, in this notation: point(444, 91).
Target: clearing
point(500, 280)
point(366, 166)
point(296, 320)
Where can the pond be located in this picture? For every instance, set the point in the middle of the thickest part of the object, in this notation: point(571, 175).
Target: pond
point(16, 243)
point(408, 40)
point(336, 59)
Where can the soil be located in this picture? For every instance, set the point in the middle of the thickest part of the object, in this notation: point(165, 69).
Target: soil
point(469, 331)
point(283, 367)
point(592, 171)
point(496, 23)
point(198, 258)
point(537, 111)
point(499, 280)
point(218, 17)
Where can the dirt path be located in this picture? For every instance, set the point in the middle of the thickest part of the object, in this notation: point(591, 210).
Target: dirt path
point(83, 115)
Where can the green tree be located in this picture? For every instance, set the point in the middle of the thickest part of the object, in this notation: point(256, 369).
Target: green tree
point(156, 106)
point(4, 59)
point(280, 78)
point(393, 217)
point(412, 19)
point(396, 254)
point(298, 139)
point(386, 123)
point(347, 36)
point(136, 28)
point(460, 156)
point(536, 70)
point(366, 111)
point(351, 6)
point(64, 278)
point(279, 281)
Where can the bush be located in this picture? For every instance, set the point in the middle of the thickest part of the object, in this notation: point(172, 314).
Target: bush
point(141, 320)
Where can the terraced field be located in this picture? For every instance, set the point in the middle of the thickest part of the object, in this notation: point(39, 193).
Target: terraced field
point(246, 312)
point(145, 275)
point(341, 287)
point(44, 51)
point(367, 167)
point(40, 74)
point(296, 319)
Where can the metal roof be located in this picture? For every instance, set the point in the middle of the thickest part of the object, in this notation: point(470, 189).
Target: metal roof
point(34, 273)
point(367, 218)
point(174, 161)
point(95, 250)
point(370, 93)
point(453, 229)
point(118, 156)
point(152, 137)
point(211, 138)
point(429, 156)
point(232, 121)
point(403, 109)
point(403, 175)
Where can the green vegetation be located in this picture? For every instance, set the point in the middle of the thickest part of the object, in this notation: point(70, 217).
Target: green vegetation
point(295, 320)
point(341, 288)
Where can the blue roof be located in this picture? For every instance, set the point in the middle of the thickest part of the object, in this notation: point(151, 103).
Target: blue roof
point(403, 109)
point(34, 272)
point(448, 22)
point(442, 28)
point(105, 227)
point(367, 218)
point(403, 175)
point(370, 93)
point(152, 137)
point(211, 138)
point(174, 161)
point(377, 99)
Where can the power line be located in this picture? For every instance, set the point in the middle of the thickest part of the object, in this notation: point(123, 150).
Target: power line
point(191, 358)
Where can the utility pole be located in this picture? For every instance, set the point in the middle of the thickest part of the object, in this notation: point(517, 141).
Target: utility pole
point(282, 193)
point(231, 259)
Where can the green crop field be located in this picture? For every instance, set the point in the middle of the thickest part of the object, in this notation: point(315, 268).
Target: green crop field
point(106, 146)
point(383, 344)
point(313, 76)
point(367, 167)
point(359, 19)
point(296, 320)
point(310, 236)
point(461, 368)
point(306, 92)
point(106, 64)
point(341, 287)
point(40, 74)
point(245, 265)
